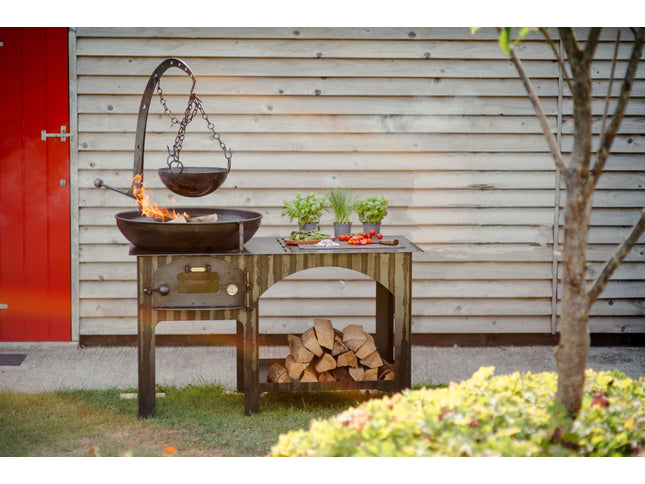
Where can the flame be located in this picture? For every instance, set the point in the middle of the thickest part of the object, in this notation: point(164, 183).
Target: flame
point(147, 207)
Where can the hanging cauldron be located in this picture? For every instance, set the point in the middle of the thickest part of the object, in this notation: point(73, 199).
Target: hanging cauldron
point(233, 227)
point(185, 181)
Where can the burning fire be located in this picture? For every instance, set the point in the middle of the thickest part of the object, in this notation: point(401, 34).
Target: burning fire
point(149, 208)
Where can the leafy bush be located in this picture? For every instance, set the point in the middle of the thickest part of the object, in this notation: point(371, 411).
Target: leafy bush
point(510, 415)
point(307, 210)
point(371, 210)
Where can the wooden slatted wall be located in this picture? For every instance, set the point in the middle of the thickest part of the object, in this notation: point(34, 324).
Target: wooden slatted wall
point(434, 119)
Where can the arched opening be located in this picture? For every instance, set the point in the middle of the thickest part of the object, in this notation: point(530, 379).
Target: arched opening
point(343, 296)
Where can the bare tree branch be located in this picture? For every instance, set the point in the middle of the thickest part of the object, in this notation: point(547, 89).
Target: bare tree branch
point(611, 83)
point(592, 43)
point(617, 258)
point(553, 145)
point(572, 48)
point(619, 112)
point(558, 57)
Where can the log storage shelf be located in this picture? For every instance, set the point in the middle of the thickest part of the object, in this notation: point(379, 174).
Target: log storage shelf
point(227, 286)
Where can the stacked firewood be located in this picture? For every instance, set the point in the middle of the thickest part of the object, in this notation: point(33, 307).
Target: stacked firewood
point(325, 354)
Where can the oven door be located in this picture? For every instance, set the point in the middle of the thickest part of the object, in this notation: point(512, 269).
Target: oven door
point(198, 282)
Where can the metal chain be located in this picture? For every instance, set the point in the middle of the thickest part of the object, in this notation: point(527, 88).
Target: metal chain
point(194, 105)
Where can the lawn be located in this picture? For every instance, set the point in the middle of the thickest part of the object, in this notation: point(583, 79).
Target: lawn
point(200, 420)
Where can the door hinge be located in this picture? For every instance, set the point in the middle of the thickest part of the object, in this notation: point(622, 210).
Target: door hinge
point(63, 135)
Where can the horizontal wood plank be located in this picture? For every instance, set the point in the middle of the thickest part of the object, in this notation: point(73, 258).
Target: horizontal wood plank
point(285, 162)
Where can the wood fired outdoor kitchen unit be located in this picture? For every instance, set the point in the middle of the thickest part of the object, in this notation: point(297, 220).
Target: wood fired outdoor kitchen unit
point(218, 271)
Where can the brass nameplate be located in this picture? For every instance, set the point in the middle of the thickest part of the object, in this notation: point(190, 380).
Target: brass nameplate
point(197, 282)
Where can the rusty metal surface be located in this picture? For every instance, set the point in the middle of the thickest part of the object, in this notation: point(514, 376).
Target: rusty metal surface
point(276, 245)
point(265, 261)
point(181, 180)
point(191, 181)
point(198, 282)
point(198, 237)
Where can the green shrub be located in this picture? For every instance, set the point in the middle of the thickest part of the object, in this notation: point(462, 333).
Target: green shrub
point(510, 415)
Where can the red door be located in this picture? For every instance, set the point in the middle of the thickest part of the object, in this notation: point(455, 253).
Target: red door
point(34, 186)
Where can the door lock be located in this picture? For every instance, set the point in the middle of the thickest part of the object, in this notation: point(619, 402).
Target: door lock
point(63, 135)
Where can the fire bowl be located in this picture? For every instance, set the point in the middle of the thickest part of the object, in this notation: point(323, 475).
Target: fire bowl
point(194, 237)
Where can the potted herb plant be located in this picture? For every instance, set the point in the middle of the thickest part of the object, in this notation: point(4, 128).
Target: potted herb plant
point(307, 210)
point(341, 202)
point(371, 211)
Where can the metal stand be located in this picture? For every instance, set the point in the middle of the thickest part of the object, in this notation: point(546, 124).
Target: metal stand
point(264, 263)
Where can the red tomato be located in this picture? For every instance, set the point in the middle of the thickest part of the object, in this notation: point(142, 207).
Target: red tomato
point(372, 233)
point(369, 241)
point(342, 238)
point(363, 242)
point(364, 235)
point(379, 236)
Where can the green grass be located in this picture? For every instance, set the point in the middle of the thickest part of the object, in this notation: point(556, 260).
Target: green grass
point(200, 420)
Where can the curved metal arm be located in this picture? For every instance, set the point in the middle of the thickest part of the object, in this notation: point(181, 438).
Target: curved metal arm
point(140, 139)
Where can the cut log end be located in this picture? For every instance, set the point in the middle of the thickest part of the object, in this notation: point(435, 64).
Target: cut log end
point(325, 354)
point(324, 333)
point(278, 374)
point(311, 342)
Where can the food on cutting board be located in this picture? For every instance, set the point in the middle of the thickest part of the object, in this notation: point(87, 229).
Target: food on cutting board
point(306, 236)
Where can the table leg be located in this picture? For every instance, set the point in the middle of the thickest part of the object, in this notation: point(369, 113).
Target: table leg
point(384, 322)
point(240, 356)
point(403, 320)
point(251, 363)
point(146, 344)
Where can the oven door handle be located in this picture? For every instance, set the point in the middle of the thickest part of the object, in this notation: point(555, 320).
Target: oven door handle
point(163, 289)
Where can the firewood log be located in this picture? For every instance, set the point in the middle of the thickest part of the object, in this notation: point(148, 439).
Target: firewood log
point(325, 363)
point(366, 348)
point(326, 376)
point(278, 374)
point(339, 346)
point(298, 350)
point(341, 374)
point(371, 374)
point(309, 375)
point(386, 375)
point(373, 360)
point(347, 359)
point(354, 336)
point(356, 373)
point(324, 333)
point(294, 368)
point(311, 343)
point(204, 218)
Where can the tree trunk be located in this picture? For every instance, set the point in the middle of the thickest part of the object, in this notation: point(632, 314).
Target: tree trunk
point(571, 353)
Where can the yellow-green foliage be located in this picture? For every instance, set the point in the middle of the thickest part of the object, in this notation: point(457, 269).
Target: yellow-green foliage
point(509, 415)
